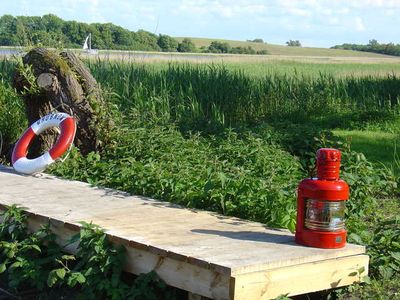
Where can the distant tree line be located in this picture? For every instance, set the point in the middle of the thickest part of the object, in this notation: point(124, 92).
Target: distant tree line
point(52, 31)
point(293, 43)
point(256, 41)
point(372, 46)
point(224, 47)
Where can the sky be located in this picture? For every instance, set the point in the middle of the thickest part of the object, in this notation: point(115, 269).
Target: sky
point(316, 23)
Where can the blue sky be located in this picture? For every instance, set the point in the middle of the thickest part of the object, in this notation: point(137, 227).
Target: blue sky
point(313, 22)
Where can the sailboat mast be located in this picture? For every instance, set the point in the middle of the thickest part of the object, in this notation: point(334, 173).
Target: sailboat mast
point(90, 41)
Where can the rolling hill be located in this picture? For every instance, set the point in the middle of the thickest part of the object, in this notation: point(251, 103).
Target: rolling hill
point(285, 50)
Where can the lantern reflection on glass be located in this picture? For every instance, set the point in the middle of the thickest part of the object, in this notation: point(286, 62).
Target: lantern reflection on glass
point(324, 215)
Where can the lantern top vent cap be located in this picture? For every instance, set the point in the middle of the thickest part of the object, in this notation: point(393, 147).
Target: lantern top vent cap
point(325, 155)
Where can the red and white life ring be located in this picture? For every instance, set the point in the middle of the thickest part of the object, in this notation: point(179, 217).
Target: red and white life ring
point(67, 125)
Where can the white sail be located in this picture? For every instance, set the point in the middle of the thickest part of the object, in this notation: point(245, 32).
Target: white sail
point(85, 45)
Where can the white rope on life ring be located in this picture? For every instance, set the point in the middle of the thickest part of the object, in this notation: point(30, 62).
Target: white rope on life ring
point(67, 125)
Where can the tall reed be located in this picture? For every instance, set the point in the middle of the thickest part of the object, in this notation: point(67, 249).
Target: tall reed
point(197, 95)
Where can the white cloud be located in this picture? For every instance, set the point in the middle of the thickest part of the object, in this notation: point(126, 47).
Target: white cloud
point(359, 24)
point(93, 2)
point(374, 3)
point(221, 8)
point(390, 12)
point(343, 11)
point(300, 12)
point(320, 22)
point(327, 11)
point(333, 21)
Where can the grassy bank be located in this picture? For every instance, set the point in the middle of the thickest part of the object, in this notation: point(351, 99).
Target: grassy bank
point(284, 50)
point(378, 146)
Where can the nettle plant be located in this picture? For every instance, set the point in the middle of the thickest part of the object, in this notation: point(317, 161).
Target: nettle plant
point(22, 255)
point(36, 261)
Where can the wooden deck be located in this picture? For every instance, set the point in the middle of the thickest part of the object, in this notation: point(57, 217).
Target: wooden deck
point(204, 253)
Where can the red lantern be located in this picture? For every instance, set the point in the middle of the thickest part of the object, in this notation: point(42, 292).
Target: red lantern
point(321, 204)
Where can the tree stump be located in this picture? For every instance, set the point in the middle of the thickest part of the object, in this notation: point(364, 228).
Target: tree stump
point(50, 81)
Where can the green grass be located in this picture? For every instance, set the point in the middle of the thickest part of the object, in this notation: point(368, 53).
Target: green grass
point(284, 67)
point(313, 69)
point(377, 146)
point(214, 96)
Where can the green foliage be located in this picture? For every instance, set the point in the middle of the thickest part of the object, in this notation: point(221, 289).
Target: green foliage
point(385, 248)
point(234, 174)
point(99, 265)
point(375, 289)
point(35, 260)
point(378, 145)
point(24, 260)
point(243, 50)
point(12, 118)
point(256, 41)
point(378, 230)
point(381, 235)
point(30, 84)
point(145, 41)
point(13, 226)
point(262, 52)
point(167, 43)
point(224, 47)
point(219, 47)
point(293, 43)
point(372, 46)
point(52, 31)
point(186, 46)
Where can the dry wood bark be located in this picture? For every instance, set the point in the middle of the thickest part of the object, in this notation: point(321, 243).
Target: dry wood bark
point(61, 82)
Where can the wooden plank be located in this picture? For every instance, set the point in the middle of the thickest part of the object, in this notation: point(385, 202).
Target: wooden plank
point(300, 279)
point(210, 255)
point(113, 211)
point(271, 257)
point(180, 274)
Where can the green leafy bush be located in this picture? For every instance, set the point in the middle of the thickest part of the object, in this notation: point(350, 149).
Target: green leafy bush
point(12, 119)
point(234, 174)
point(25, 263)
point(186, 46)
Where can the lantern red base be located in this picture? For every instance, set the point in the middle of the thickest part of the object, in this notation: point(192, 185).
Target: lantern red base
point(321, 239)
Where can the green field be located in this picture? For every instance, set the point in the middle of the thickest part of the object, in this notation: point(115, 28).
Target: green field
point(267, 67)
point(285, 50)
point(378, 146)
point(237, 137)
point(307, 68)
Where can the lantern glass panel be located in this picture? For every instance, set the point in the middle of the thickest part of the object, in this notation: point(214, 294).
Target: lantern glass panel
point(324, 215)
